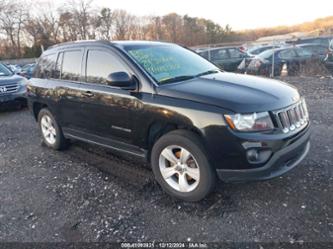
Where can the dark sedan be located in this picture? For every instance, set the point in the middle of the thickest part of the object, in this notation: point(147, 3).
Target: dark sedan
point(293, 57)
point(227, 58)
point(12, 87)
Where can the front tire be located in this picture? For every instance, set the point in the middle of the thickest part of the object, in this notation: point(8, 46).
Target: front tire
point(51, 131)
point(181, 167)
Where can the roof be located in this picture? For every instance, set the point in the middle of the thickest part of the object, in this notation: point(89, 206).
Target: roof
point(105, 42)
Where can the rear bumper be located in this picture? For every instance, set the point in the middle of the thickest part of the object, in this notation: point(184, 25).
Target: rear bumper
point(281, 162)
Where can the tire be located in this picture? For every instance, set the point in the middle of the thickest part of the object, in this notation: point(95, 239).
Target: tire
point(56, 139)
point(181, 143)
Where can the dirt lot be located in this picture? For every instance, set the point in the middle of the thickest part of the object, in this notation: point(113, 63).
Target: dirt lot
point(87, 194)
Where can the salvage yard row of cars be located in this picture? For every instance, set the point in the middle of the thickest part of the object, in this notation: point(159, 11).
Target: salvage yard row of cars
point(258, 59)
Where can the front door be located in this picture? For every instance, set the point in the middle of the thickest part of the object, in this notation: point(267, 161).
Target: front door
point(105, 110)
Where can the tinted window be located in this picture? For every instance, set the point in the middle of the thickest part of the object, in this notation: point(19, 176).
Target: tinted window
point(220, 54)
point(287, 54)
point(100, 64)
point(303, 52)
point(71, 65)
point(316, 50)
point(204, 54)
point(45, 66)
point(235, 53)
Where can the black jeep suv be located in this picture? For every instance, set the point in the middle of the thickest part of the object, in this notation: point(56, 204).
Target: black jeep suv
point(166, 104)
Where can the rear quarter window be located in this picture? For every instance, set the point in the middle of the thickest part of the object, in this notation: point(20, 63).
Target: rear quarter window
point(45, 66)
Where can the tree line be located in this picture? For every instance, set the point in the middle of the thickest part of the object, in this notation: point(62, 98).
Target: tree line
point(27, 27)
point(25, 30)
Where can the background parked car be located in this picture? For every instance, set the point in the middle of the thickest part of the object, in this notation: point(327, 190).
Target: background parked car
point(292, 56)
point(12, 87)
point(227, 58)
point(27, 70)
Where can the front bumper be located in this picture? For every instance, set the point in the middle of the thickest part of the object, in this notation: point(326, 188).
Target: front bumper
point(19, 96)
point(281, 162)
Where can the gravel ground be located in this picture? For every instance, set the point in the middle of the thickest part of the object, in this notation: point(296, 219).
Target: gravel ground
point(88, 194)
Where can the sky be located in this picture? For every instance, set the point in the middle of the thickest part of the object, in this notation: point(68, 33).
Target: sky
point(240, 14)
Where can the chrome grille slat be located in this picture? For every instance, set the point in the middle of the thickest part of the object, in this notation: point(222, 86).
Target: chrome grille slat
point(292, 118)
point(10, 88)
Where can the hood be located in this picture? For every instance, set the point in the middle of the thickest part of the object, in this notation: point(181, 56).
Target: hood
point(7, 80)
point(235, 92)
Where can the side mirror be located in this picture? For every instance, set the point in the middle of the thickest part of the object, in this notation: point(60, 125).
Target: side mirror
point(122, 80)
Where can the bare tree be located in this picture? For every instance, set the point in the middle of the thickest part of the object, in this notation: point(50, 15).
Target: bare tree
point(106, 23)
point(12, 18)
point(122, 22)
point(81, 11)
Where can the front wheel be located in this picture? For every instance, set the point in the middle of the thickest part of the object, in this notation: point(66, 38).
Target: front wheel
point(181, 167)
point(51, 131)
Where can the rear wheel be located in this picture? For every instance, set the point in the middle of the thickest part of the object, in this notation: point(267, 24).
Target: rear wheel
point(181, 167)
point(51, 131)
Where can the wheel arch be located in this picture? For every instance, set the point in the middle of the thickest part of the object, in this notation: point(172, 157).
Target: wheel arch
point(37, 107)
point(158, 129)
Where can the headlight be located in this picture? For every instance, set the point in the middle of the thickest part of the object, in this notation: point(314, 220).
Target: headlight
point(250, 122)
point(23, 82)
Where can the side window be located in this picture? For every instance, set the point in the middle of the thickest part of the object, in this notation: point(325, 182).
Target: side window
point(204, 54)
point(220, 54)
point(287, 54)
point(71, 65)
point(100, 64)
point(45, 66)
point(235, 53)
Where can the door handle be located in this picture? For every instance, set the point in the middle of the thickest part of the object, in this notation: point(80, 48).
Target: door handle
point(88, 94)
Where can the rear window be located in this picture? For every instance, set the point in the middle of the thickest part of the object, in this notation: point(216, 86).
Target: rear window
point(235, 53)
point(316, 50)
point(220, 54)
point(71, 65)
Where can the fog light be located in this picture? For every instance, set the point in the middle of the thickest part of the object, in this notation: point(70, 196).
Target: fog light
point(252, 155)
point(256, 156)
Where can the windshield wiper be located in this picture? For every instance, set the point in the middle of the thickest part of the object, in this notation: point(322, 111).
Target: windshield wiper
point(176, 79)
point(207, 72)
point(187, 77)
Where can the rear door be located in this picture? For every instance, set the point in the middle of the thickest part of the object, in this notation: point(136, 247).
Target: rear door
point(221, 58)
point(236, 57)
point(68, 92)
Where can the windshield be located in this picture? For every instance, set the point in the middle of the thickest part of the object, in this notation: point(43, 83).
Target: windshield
point(266, 54)
point(170, 63)
point(4, 71)
point(304, 51)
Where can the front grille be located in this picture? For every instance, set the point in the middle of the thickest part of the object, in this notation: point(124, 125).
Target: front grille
point(293, 117)
point(8, 89)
